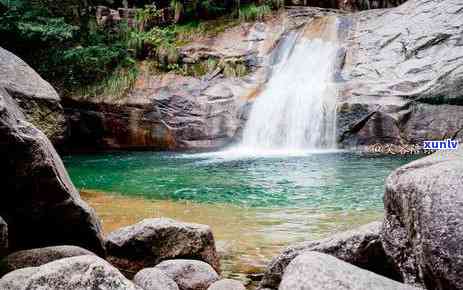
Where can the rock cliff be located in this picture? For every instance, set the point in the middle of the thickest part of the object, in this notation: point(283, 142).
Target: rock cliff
point(403, 75)
point(399, 79)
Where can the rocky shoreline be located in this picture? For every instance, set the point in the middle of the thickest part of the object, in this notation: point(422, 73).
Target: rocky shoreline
point(167, 254)
point(399, 84)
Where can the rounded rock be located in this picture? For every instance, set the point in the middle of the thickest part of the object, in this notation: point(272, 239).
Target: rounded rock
point(189, 274)
point(154, 279)
point(152, 241)
point(317, 271)
point(75, 273)
point(227, 284)
point(39, 256)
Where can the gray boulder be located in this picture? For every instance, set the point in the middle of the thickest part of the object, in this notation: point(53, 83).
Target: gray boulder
point(40, 204)
point(3, 238)
point(189, 274)
point(227, 284)
point(318, 271)
point(36, 98)
point(361, 247)
point(423, 225)
point(151, 241)
point(38, 257)
point(154, 279)
point(76, 273)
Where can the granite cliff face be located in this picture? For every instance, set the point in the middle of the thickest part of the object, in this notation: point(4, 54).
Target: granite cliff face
point(399, 79)
point(403, 75)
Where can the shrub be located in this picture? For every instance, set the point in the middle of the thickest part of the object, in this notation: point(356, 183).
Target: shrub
point(252, 12)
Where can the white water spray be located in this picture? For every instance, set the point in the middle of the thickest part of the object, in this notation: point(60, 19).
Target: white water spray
point(297, 109)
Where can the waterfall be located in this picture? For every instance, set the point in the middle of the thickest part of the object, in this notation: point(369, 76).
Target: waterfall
point(297, 108)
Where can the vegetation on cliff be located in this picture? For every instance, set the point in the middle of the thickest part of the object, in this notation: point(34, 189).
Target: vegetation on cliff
point(67, 46)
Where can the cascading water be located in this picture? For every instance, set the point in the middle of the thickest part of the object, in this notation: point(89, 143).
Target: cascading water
point(297, 108)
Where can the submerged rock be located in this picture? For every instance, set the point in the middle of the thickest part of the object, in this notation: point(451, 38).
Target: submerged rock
point(38, 257)
point(361, 247)
point(318, 271)
point(154, 279)
point(422, 230)
point(227, 284)
point(41, 205)
point(3, 238)
point(151, 241)
point(36, 98)
point(189, 274)
point(76, 273)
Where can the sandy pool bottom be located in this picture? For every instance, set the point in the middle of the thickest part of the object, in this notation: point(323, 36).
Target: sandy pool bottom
point(246, 237)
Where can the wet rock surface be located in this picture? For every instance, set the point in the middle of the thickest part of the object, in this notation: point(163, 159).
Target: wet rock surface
point(38, 257)
point(36, 98)
point(361, 247)
point(76, 273)
point(313, 270)
point(151, 241)
point(189, 274)
point(423, 221)
point(154, 279)
point(41, 205)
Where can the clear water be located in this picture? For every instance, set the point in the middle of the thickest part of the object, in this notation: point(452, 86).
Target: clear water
point(332, 181)
point(255, 204)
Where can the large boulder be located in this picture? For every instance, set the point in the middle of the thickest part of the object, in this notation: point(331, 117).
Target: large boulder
point(318, 271)
point(76, 273)
point(39, 202)
point(403, 66)
point(361, 247)
point(423, 225)
point(154, 279)
point(151, 241)
point(227, 284)
point(36, 98)
point(189, 274)
point(3, 238)
point(38, 257)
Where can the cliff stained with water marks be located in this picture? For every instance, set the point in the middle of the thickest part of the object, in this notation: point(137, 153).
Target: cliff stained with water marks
point(398, 77)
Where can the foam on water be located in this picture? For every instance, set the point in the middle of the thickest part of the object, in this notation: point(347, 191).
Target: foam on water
point(296, 112)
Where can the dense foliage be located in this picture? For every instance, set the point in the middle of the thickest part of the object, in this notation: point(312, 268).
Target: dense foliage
point(63, 42)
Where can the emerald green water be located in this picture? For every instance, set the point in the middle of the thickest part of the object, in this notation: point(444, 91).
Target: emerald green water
point(332, 181)
point(254, 205)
